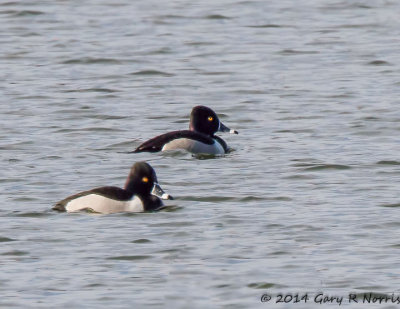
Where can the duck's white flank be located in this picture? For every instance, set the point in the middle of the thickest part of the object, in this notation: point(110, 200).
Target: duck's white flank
point(194, 146)
point(105, 205)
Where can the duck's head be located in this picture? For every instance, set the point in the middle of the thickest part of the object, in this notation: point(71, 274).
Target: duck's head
point(204, 120)
point(142, 180)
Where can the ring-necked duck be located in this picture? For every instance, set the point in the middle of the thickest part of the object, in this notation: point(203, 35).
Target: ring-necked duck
point(199, 139)
point(137, 195)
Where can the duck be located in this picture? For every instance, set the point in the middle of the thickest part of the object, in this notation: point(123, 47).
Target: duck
point(141, 193)
point(199, 139)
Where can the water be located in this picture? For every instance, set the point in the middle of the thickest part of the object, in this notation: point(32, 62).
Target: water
point(307, 201)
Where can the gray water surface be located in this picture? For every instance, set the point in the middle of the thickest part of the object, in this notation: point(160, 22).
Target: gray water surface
point(307, 201)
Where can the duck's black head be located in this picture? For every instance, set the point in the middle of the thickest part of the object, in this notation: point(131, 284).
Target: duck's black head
point(204, 120)
point(142, 180)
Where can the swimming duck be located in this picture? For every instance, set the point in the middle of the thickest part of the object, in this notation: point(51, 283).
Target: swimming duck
point(137, 195)
point(199, 139)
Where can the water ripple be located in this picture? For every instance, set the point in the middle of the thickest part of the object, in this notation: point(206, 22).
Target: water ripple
point(321, 167)
point(6, 239)
point(130, 257)
point(378, 62)
point(141, 241)
point(152, 73)
point(289, 52)
point(89, 60)
point(264, 285)
point(395, 205)
point(267, 26)
point(22, 13)
point(216, 16)
point(388, 162)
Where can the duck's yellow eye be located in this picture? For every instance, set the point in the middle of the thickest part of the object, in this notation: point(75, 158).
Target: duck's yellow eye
point(145, 179)
point(210, 118)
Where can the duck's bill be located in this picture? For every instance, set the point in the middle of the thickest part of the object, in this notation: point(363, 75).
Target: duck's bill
point(224, 128)
point(157, 191)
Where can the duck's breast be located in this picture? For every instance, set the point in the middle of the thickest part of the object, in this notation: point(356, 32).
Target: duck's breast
point(194, 146)
point(105, 205)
